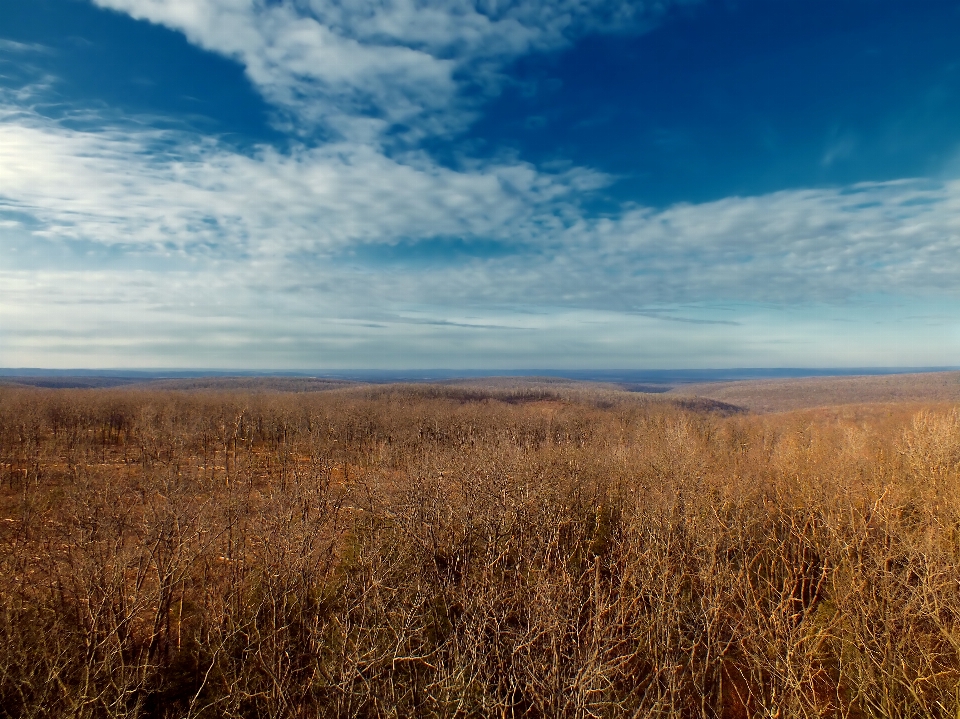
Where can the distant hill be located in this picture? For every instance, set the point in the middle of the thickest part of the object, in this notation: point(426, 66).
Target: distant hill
point(250, 384)
point(780, 395)
point(243, 383)
point(68, 382)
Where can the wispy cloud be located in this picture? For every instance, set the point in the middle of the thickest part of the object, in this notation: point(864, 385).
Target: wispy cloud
point(162, 193)
point(156, 189)
point(667, 317)
point(362, 67)
point(226, 316)
point(13, 47)
point(239, 254)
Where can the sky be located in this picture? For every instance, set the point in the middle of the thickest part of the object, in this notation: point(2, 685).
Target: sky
point(486, 184)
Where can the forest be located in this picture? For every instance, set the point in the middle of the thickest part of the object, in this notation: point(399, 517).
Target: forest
point(466, 551)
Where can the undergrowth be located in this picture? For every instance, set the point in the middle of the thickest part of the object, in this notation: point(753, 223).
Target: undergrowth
point(442, 552)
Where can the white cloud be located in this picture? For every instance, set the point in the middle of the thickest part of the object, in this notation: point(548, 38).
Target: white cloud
point(795, 245)
point(388, 61)
point(128, 187)
point(221, 318)
point(297, 216)
point(11, 46)
point(231, 253)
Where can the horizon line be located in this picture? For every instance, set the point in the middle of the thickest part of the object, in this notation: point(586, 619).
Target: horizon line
point(438, 373)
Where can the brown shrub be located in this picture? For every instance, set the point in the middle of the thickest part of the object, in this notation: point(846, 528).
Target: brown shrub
point(449, 552)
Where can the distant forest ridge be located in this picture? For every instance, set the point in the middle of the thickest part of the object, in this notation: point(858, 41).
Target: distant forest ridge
point(103, 377)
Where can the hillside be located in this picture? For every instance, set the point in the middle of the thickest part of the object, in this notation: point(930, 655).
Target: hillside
point(791, 394)
point(460, 551)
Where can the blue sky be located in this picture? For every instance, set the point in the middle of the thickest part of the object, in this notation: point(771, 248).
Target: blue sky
point(488, 185)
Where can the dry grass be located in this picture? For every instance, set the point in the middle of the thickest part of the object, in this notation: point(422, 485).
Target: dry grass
point(447, 551)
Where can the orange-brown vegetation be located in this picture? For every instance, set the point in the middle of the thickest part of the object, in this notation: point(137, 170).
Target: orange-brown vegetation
point(446, 551)
point(779, 395)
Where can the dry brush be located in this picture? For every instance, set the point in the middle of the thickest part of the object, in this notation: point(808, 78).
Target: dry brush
point(442, 552)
